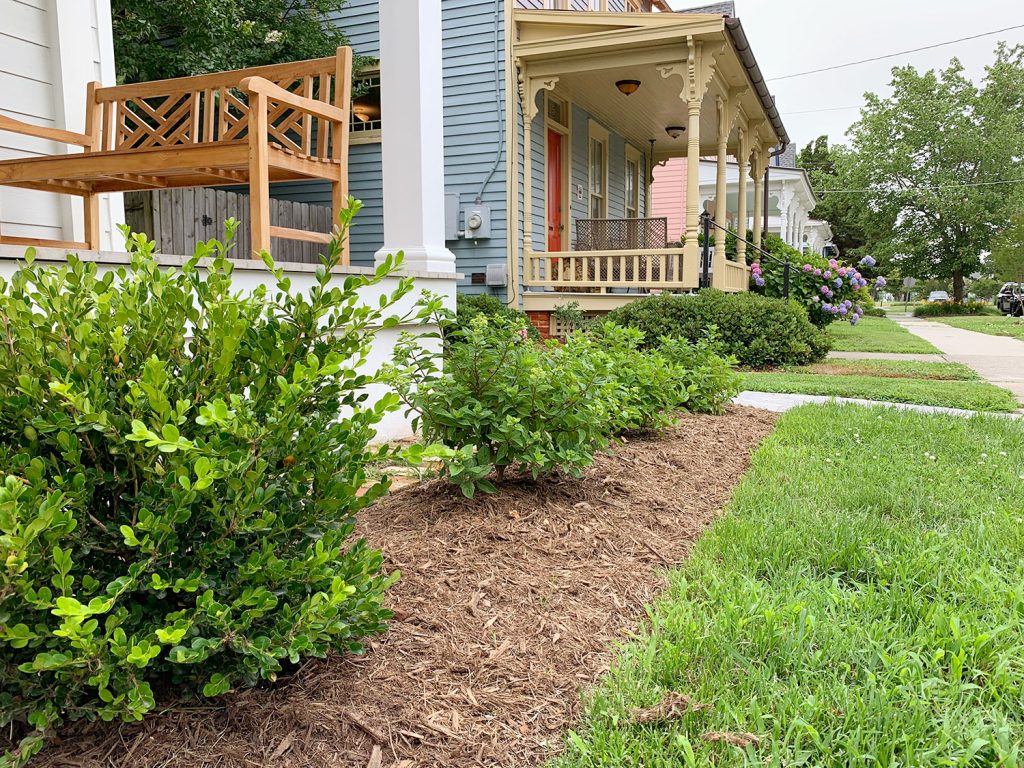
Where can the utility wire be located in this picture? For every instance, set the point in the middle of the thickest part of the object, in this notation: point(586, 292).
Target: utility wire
point(937, 186)
point(823, 109)
point(898, 53)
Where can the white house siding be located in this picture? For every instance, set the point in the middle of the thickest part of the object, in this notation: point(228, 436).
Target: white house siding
point(49, 51)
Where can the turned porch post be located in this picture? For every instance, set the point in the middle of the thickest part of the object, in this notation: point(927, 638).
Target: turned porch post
point(757, 170)
point(742, 158)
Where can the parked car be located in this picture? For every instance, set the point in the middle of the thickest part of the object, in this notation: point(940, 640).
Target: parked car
point(1004, 299)
point(938, 296)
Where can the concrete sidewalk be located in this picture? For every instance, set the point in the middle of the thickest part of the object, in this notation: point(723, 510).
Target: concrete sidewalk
point(998, 359)
point(779, 403)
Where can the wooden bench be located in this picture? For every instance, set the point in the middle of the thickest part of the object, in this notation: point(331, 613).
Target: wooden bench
point(283, 122)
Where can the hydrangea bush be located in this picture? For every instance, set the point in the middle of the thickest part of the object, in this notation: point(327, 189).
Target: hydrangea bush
point(179, 467)
point(829, 289)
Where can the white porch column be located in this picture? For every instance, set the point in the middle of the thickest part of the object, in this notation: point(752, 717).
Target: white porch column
point(413, 134)
point(785, 198)
point(742, 159)
point(757, 169)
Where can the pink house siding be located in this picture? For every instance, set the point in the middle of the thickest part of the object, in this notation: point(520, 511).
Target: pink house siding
point(668, 195)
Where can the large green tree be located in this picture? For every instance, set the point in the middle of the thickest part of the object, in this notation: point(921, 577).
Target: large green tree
point(937, 164)
point(842, 211)
point(1008, 250)
point(176, 38)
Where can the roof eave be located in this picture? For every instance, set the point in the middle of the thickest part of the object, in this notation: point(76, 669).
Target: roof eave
point(746, 55)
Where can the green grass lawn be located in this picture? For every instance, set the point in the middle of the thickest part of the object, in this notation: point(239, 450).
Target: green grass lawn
point(877, 334)
point(971, 395)
point(897, 369)
point(994, 326)
point(859, 604)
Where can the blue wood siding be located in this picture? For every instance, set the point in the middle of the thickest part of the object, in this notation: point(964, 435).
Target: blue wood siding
point(472, 141)
point(361, 23)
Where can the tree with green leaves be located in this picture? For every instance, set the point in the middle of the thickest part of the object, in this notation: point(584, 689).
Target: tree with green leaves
point(177, 38)
point(1008, 250)
point(841, 210)
point(937, 164)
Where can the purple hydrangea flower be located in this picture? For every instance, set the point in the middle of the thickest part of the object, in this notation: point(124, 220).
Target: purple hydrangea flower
point(828, 274)
point(826, 307)
point(824, 289)
point(843, 310)
point(817, 273)
point(835, 310)
point(867, 261)
point(839, 282)
point(880, 282)
point(854, 319)
point(759, 281)
point(807, 267)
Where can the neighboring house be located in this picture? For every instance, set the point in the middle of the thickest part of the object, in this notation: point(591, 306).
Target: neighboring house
point(604, 89)
point(791, 201)
point(49, 51)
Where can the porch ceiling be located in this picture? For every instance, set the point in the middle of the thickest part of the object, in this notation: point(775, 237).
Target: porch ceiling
point(644, 115)
point(589, 52)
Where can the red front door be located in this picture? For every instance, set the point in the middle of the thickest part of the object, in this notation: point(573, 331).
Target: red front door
point(554, 184)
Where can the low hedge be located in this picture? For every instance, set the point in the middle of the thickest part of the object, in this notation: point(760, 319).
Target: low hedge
point(757, 331)
point(469, 306)
point(944, 308)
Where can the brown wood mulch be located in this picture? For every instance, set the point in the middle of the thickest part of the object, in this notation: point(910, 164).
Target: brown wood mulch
point(508, 608)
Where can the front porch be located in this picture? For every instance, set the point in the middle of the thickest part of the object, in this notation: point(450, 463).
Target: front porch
point(604, 99)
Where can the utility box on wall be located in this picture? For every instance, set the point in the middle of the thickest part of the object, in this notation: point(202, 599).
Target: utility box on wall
point(477, 222)
point(451, 216)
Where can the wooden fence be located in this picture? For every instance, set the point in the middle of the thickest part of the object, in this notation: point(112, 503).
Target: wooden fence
point(177, 219)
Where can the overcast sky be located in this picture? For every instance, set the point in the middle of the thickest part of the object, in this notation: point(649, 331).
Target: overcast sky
point(790, 36)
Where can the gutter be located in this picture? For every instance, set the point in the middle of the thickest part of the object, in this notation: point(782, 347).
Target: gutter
point(739, 41)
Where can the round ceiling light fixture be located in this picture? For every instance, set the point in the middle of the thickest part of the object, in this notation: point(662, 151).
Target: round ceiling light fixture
point(675, 131)
point(628, 87)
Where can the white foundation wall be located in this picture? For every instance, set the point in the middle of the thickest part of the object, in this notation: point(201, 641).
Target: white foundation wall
point(248, 275)
point(49, 51)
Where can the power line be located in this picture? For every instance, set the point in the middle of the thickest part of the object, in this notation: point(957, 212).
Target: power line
point(898, 53)
point(925, 188)
point(823, 109)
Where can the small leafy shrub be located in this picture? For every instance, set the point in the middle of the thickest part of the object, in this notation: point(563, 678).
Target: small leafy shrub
point(755, 330)
point(469, 306)
point(709, 374)
point(828, 289)
point(178, 474)
point(643, 387)
point(946, 308)
point(504, 404)
point(874, 312)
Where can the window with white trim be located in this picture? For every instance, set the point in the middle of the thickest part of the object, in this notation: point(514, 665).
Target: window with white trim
point(598, 171)
point(634, 163)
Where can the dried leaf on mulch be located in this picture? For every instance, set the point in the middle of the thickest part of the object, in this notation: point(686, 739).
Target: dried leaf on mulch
point(738, 739)
point(508, 607)
point(672, 707)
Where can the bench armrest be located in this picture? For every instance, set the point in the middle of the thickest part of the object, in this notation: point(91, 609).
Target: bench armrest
point(42, 132)
point(276, 93)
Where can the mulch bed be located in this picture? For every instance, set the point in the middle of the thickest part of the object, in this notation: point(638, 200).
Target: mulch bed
point(508, 608)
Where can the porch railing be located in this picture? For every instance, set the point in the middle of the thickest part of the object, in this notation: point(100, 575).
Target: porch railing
point(737, 276)
point(613, 254)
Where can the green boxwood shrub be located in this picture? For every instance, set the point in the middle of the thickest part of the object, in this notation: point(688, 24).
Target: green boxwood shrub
point(946, 308)
point(178, 474)
point(757, 331)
